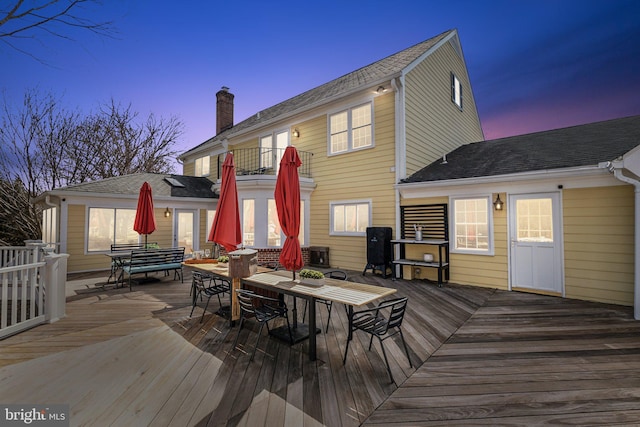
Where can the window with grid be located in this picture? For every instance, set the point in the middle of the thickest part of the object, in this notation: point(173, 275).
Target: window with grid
point(350, 218)
point(534, 220)
point(202, 166)
point(471, 225)
point(351, 129)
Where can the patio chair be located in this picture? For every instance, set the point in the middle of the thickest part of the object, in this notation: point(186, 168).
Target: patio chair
point(204, 284)
point(263, 309)
point(333, 274)
point(383, 321)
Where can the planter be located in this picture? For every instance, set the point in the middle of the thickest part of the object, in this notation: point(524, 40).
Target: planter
point(311, 282)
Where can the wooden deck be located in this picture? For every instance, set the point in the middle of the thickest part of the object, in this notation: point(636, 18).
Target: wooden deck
point(481, 357)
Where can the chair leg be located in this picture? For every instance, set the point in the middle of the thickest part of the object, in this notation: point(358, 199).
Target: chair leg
point(406, 350)
point(346, 349)
point(205, 309)
point(329, 307)
point(235, 342)
point(371, 342)
point(194, 302)
point(384, 353)
point(289, 329)
point(304, 312)
point(255, 347)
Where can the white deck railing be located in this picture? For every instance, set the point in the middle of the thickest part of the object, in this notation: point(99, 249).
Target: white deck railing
point(32, 288)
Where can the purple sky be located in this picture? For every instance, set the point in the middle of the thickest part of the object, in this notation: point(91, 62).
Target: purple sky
point(534, 65)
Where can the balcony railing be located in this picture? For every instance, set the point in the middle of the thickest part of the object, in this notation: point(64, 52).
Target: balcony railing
point(263, 161)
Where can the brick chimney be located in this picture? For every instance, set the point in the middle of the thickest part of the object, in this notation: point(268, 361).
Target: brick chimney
point(224, 110)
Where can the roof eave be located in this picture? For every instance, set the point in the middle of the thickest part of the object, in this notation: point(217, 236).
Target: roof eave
point(427, 188)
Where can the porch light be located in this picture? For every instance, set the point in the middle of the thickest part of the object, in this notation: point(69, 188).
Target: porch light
point(498, 205)
point(167, 213)
point(381, 89)
point(296, 133)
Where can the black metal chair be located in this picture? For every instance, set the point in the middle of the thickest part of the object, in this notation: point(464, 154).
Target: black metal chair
point(383, 321)
point(207, 285)
point(263, 309)
point(333, 274)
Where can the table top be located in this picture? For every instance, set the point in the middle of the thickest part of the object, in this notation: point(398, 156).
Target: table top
point(341, 291)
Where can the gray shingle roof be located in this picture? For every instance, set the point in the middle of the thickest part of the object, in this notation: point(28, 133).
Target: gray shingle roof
point(130, 185)
point(583, 145)
point(379, 71)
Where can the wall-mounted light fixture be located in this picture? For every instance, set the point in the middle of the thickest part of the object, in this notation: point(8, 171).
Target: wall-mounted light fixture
point(296, 133)
point(498, 205)
point(381, 89)
point(167, 213)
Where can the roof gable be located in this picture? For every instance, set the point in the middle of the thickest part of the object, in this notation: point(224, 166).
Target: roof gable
point(583, 145)
point(378, 71)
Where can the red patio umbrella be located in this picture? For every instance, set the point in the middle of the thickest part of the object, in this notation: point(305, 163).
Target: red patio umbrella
point(287, 195)
point(145, 221)
point(225, 229)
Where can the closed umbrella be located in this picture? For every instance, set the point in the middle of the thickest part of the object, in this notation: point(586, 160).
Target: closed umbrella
point(287, 195)
point(145, 221)
point(225, 229)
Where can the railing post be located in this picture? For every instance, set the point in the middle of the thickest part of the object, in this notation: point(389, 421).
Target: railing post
point(55, 281)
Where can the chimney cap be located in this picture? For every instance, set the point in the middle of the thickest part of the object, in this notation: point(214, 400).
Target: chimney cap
point(224, 89)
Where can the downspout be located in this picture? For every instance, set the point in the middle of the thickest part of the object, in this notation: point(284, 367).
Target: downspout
point(615, 168)
point(401, 150)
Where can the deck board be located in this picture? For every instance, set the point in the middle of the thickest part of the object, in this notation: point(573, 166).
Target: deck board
point(480, 356)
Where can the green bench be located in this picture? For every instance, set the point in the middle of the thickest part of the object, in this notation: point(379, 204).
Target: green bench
point(154, 260)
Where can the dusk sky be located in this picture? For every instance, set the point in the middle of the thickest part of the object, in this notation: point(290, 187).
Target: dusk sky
point(534, 65)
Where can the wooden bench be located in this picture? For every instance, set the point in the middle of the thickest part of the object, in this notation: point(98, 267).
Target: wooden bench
point(154, 260)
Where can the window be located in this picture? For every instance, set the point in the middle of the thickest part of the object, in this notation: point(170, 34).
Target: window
point(266, 152)
point(534, 220)
point(202, 166)
point(351, 129)
point(350, 218)
point(273, 224)
point(471, 225)
point(302, 228)
point(109, 226)
point(270, 152)
point(456, 91)
point(210, 216)
point(274, 232)
point(248, 222)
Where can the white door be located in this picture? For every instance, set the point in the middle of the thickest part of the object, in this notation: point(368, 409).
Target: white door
point(535, 242)
point(186, 234)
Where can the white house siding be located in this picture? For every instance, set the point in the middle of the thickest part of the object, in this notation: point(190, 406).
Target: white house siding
point(434, 124)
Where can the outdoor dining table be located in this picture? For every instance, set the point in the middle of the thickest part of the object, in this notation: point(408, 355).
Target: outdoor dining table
point(222, 270)
point(118, 259)
point(351, 294)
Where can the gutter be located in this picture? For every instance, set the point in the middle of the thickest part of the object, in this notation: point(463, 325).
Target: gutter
point(617, 168)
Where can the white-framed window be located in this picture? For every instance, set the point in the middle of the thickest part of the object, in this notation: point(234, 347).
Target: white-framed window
point(248, 222)
point(211, 214)
point(202, 166)
point(472, 225)
point(456, 91)
point(350, 218)
point(107, 226)
point(351, 129)
point(274, 232)
point(272, 148)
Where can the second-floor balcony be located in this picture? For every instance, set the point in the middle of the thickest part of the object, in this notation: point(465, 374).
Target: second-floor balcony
point(263, 161)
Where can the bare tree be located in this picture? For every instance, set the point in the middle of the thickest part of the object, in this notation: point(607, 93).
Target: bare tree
point(20, 19)
point(44, 146)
